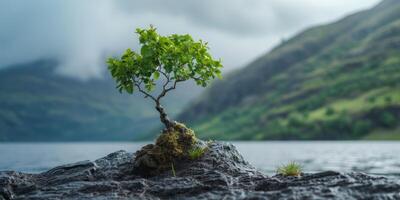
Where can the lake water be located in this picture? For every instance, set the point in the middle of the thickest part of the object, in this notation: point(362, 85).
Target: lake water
point(381, 158)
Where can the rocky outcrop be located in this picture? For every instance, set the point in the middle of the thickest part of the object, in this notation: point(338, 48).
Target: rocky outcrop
point(221, 173)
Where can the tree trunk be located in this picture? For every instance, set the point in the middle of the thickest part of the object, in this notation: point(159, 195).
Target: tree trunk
point(163, 116)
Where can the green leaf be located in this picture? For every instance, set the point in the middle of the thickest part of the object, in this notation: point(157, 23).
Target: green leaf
point(129, 88)
point(146, 51)
point(218, 74)
point(150, 87)
point(156, 75)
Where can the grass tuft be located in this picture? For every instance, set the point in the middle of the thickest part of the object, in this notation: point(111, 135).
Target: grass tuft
point(173, 169)
point(197, 152)
point(291, 169)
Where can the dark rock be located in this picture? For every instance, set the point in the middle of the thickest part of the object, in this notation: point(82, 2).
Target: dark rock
point(221, 173)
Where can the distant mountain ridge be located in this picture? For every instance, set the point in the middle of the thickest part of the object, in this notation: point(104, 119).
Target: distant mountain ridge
point(37, 104)
point(335, 81)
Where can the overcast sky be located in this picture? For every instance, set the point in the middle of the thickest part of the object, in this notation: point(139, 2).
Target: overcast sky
point(82, 33)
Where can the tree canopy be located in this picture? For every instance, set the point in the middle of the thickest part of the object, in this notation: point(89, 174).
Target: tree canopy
point(172, 59)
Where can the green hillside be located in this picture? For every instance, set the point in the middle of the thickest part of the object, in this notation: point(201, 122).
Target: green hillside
point(336, 81)
point(36, 104)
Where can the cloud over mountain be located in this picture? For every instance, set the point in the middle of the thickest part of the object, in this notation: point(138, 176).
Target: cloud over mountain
point(80, 34)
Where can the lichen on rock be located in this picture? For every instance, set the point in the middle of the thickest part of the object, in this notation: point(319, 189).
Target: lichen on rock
point(171, 146)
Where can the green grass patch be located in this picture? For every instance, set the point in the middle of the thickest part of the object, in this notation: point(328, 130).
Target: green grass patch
point(290, 169)
point(197, 152)
point(375, 98)
point(384, 135)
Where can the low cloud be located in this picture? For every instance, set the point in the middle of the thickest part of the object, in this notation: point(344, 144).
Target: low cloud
point(81, 34)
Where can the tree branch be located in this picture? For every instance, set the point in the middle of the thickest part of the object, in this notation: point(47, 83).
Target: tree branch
point(163, 73)
point(198, 78)
point(165, 90)
point(166, 83)
point(137, 84)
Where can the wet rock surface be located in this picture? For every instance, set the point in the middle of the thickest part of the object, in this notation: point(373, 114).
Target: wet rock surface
point(221, 173)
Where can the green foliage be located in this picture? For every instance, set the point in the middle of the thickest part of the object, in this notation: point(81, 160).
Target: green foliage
point(393, 134)
point(329, 111)
point(361, 127)
point(371, 99)
point(290, 169)
point(176, 57)
point(310, 87)
point(388, 119)
point(388, 99)
point(197, 152)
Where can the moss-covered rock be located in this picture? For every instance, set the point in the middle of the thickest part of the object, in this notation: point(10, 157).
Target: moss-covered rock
point(171, 146)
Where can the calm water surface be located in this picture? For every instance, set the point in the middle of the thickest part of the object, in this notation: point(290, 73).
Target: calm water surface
point(381, 158)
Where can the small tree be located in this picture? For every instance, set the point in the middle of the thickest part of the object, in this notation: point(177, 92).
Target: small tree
point(176, 58)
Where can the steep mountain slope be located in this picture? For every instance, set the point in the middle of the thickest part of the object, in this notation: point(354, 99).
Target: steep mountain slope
point(36, 104)
point(336, 81)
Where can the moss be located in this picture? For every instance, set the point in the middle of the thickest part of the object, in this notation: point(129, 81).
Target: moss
point(173, 145)
point(168, 142)
point(176, 141)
